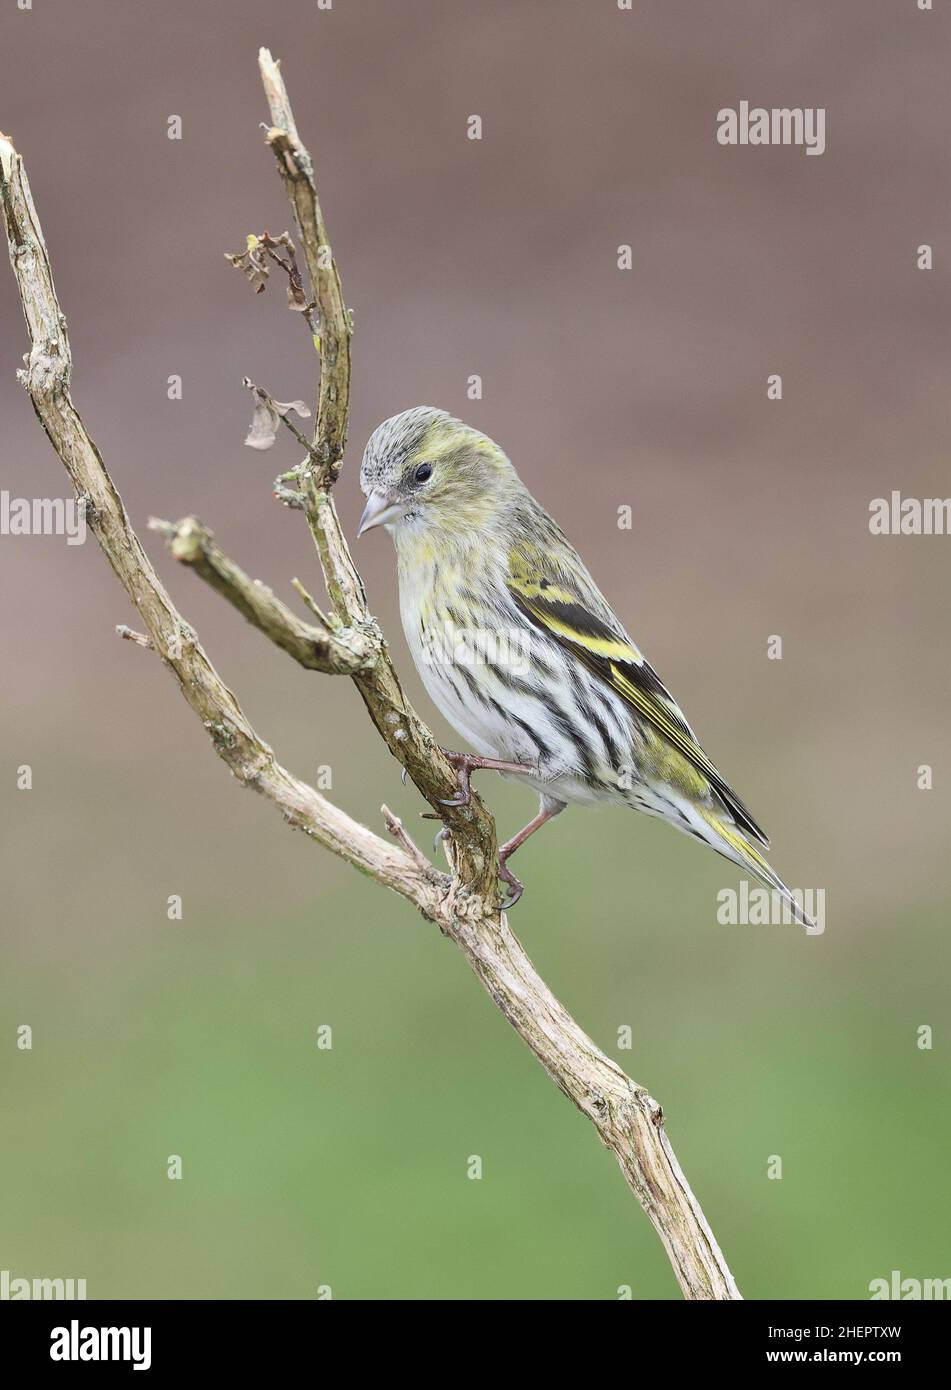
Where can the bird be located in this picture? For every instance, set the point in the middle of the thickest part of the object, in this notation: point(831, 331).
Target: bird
point(524, 656)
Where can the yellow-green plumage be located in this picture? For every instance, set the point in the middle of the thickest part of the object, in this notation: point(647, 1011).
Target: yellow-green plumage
point(519, 649)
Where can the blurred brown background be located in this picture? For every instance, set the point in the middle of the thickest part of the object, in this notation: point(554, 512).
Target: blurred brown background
point(645, 387)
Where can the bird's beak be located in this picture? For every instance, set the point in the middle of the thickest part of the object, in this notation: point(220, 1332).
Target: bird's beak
point(378, 511)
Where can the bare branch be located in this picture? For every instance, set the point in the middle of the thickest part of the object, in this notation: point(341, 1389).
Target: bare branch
point(235, 741)
point(339, 652)
point(404, 732)
point(465, 907)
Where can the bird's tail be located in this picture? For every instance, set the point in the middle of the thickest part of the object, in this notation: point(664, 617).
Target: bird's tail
point(727, 840)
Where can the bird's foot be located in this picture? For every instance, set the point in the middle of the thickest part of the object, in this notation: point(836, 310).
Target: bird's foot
point(467, 763)
point(517, 888)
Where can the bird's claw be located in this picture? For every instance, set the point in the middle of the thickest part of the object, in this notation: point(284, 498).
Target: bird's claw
point(516, 886)
point(467, 763)
point(464, 765)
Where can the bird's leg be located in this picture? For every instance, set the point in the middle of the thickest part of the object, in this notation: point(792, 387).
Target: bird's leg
point(546, 812)
point(467, 763)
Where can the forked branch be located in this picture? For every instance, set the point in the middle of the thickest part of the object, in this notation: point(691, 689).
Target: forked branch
point(465, 904)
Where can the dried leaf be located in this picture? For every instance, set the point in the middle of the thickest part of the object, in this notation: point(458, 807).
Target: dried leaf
point(296, 298)
point(252, 262)
point(266, 420)
point(298, 407)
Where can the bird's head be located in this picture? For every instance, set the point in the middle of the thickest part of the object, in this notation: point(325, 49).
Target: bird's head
point(425, 472)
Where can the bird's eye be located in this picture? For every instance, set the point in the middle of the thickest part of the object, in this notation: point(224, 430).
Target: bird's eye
point(423, 473)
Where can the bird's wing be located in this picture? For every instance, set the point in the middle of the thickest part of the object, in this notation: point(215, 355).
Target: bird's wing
point(560, 597)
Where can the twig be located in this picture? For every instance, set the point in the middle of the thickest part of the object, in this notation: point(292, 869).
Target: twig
point(341, 652)
point(311, 603)
point(131, 636)
point(626, 1118)
point(280, 412)
point(395, 826)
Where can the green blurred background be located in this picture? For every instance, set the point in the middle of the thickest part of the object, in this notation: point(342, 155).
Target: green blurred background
point(348, 1167)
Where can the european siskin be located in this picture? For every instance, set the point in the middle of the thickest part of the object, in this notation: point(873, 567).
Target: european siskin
point(522, 653)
